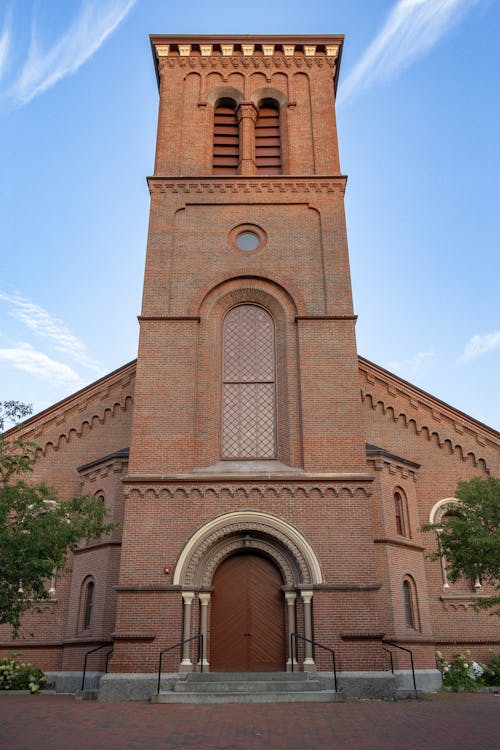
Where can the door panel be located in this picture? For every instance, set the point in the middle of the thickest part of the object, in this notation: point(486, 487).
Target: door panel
point(247, 621)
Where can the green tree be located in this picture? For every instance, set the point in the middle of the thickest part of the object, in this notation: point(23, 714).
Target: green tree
point(469, 539)
point(37, 530)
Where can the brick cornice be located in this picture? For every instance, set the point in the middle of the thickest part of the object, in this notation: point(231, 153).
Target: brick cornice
point(397, 542)
point(147, 588)
point(247, 51)
point(347, 587)
point(326, 317)
point(297, 477)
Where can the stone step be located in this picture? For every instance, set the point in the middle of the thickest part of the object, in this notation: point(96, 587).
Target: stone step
point(320, 696)
point(249, 676)
point(247, 686)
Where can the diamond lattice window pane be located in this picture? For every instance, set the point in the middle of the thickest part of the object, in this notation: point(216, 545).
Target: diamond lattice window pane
point(248, 345)
point(248, 423)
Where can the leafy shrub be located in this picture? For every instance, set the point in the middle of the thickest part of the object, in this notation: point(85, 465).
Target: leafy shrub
point(492, 669)
point(16, 675)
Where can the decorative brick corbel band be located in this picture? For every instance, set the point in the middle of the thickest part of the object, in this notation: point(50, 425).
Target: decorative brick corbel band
point(211, 185)
point(125, 636)
point(361, 635)
point(169, 489)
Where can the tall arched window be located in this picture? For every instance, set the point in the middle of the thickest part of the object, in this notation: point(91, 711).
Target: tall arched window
point(412, 618)
point(226, 146)
point(86, 604)
point(401, 514)
point(267, 138)
point(248, 371)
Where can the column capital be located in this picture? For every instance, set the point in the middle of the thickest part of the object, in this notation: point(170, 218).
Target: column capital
point(247, 109)
point(188, 596)
point(290, 597)
point(204, 599)
point(307, 596)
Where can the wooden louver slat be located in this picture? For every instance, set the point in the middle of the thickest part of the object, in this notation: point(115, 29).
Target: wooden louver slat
point(267, 139)
point(226, 143)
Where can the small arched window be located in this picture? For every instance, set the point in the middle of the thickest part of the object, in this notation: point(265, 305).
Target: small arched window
point(226, 146)
point(410, 602)
point(401, 514)
point(248, 388)
point(268, 138)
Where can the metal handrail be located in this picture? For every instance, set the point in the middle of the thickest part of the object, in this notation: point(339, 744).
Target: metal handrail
point(390, 657)
point(409, 651)
point(177, 645)
point(92, 651)
point(314, 643)
point(107, 660)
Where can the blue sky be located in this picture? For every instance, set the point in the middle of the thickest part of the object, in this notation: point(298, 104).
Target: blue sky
point(418, 116)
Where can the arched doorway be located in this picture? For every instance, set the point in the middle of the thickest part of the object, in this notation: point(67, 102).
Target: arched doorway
point(248, 620)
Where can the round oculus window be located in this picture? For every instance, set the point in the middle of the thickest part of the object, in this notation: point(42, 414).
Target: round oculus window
point(248, 240)
point(247, 237)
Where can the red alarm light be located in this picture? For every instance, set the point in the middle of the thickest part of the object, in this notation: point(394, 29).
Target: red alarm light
point(167, 570)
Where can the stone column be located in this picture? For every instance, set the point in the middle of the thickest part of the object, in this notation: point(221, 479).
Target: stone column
point(444, 572)
point(309, 665)
point(204, 601)
point(186, 663)
point(247, 117)
point(290, 597)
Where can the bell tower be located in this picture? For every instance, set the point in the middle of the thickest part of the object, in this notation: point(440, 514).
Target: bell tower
point(247, 194)
point(247, 433)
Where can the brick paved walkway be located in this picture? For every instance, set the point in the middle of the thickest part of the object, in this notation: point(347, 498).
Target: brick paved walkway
point(441, 722)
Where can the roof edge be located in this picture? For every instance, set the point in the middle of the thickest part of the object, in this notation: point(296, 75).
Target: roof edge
point(65, 402)
point(441, 405)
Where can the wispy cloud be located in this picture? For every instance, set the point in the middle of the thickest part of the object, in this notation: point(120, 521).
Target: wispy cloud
point(44, 324)
point(479, 345)
point(412, 28)
point(5, 37)
point(96, 21)
point(411, 367)
point(24, 357)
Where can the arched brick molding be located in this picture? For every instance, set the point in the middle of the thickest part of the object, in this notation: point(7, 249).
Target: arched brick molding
point(222, 536)
point(441, 508)
point(224, 92)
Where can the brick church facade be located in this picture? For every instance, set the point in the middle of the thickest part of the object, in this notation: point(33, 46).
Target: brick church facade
point(266, 479)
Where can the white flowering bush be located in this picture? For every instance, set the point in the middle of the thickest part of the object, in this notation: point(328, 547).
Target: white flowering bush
point(463, 673)
point(16, 675)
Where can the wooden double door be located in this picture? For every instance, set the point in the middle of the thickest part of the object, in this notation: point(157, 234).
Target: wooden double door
point(247, 628)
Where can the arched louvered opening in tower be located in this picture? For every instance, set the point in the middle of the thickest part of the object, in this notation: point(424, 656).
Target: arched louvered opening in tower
point(267, 138)
point(226, 153)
